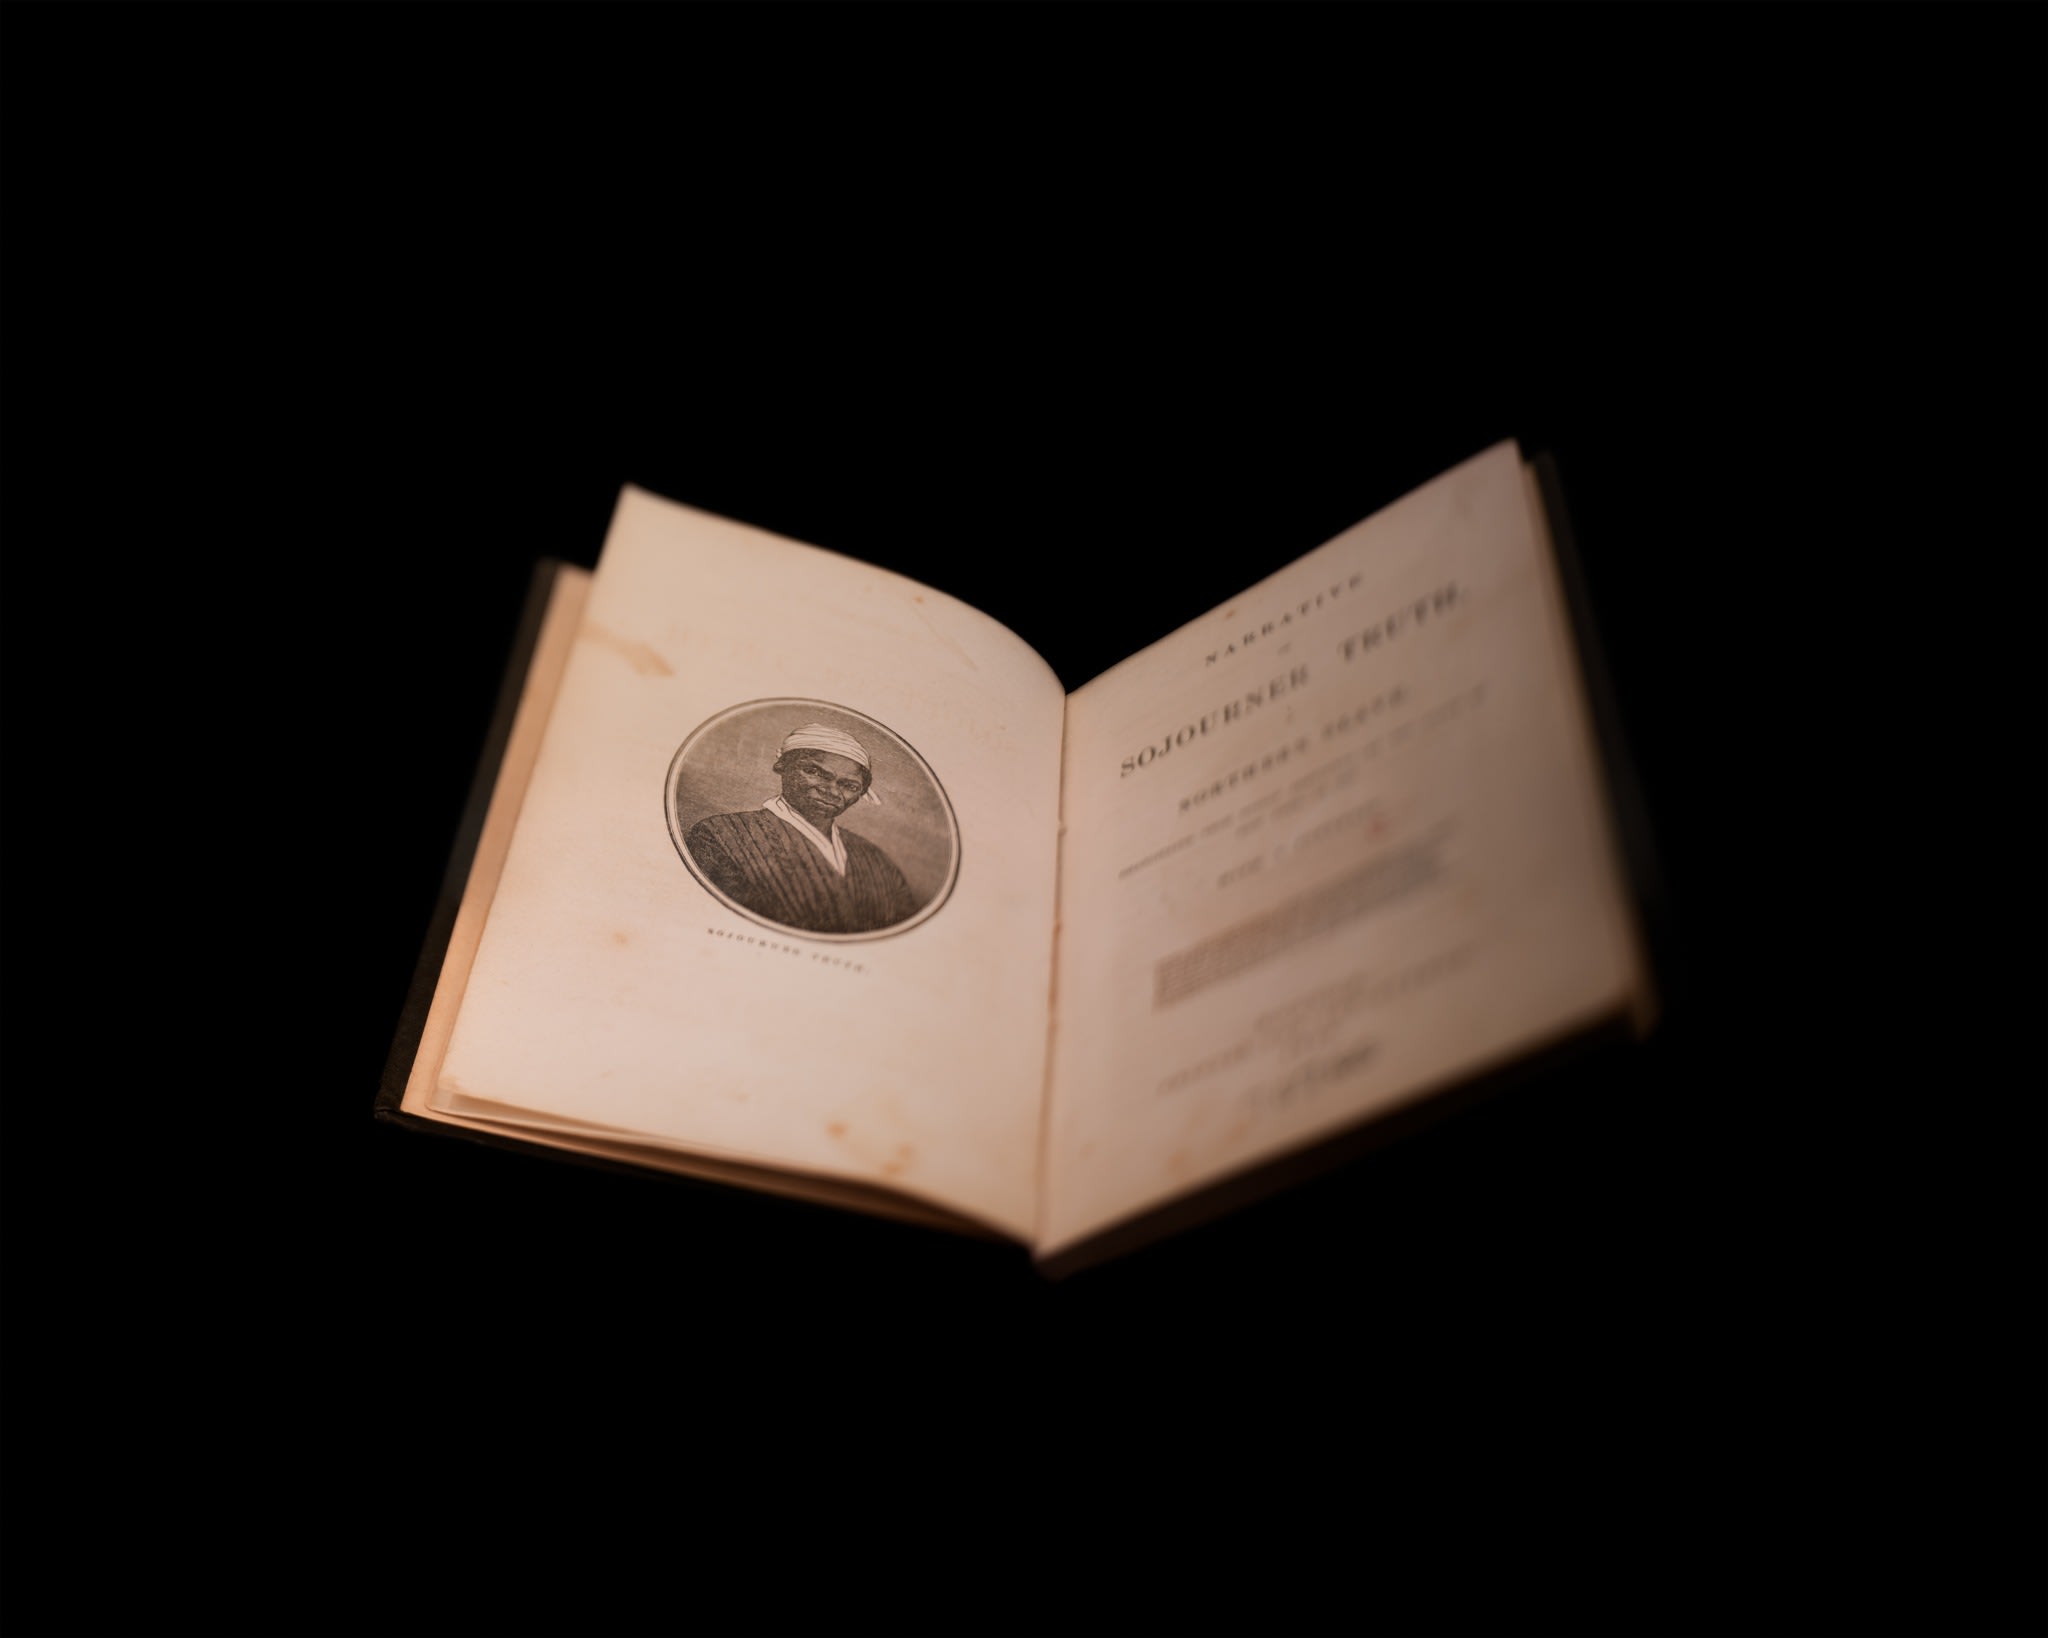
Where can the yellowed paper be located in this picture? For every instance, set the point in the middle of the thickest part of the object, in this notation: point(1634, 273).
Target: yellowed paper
point(670, 961)
point(1326, 849)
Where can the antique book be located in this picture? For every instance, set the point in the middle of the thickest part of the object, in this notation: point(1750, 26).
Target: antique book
point(789, 872)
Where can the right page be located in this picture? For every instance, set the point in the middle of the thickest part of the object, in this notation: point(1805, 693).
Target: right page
point(1337, 845)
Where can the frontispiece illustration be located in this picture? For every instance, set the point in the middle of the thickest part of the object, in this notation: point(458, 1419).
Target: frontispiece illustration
point(812, 819)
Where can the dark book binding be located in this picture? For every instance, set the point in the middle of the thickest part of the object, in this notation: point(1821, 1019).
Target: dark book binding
point(419, 998)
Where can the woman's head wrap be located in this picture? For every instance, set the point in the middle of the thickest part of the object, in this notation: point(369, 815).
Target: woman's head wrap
point(815, 736)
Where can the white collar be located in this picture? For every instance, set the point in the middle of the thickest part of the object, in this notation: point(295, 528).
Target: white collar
point(833, 849)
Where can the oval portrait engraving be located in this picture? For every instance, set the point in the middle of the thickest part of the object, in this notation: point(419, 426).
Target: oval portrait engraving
point(813, 819)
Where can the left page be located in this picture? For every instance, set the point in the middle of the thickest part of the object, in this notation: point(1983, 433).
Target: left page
point(782, 886)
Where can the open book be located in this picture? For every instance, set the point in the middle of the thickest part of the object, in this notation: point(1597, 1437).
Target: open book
point(801, 875)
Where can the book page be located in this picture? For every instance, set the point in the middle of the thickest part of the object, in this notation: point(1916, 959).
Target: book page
point(781, 890)
point(554, 641)
point(1327, 849)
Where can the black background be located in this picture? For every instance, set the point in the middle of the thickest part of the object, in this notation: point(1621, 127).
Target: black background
point(321, 325)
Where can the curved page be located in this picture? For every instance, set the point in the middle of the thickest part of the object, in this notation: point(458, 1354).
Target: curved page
point(1337, 844)
point(782, 886)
